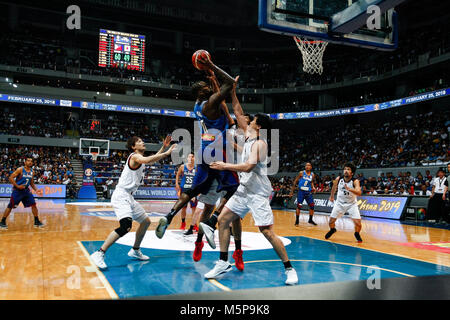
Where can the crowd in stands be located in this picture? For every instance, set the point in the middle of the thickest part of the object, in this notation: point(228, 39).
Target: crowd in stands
point(45, 122)
point(17, 121)
point(52, 165)
point(395, 142)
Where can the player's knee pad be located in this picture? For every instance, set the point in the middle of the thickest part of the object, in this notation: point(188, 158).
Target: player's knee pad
point(311, 206)
point(125, 226)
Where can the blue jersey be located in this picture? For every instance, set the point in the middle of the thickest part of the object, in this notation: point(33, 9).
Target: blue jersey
point(25, 178)
point(212, 131)
point(305, 182)
point(188, 177)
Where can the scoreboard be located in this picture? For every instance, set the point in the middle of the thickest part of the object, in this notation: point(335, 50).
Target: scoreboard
point(121, 50)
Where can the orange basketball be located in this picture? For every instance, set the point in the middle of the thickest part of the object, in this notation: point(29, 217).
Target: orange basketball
point(200, 53)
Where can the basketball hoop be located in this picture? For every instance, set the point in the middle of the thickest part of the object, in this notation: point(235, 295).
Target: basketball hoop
point(94, 155)
point(312, 53)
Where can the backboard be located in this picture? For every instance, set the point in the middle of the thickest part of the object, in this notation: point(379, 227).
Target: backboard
point(322, 20)
point(87, 146)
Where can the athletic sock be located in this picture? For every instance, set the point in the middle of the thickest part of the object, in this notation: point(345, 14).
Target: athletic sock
point(170, 216)
point(224, 256)
point(135, 249)
point(36, 219)
point(213, 220)
point(287, 264)
point(199, 237)
point(237, 243)
point(183, 219)
point(297, 219)
point(3, 220)
point(191, 227)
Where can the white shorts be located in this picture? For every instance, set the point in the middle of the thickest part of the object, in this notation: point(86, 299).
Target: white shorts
point(340, 209)
point(212, 197)
point(200, 205)
point(126, 207)
point(259, 206)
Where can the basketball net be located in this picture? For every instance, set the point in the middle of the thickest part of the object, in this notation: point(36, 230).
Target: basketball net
point(312, 53)
point(94, 155)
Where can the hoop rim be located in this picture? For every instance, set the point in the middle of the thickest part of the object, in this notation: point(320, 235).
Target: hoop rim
point(308, 41)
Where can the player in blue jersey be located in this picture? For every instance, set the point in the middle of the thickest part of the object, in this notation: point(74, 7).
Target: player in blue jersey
point(305, 180)
point(213, 125)
point(22, 179)
point(186, 172)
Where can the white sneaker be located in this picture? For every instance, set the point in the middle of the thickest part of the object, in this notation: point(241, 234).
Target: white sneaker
point(137, 254)
point(98, 258)
point(291, 276)
point(209, 234)
point(161, 228)
point(221, 267)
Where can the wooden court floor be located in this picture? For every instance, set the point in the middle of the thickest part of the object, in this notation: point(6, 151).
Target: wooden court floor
point(50, 263)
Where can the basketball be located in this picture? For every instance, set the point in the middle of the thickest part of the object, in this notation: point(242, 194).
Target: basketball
point(195, 59)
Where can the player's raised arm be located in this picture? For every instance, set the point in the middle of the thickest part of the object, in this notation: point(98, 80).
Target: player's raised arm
point(138, 158)
point(237, 108)
point(216, 88)
point(226, 81)
point(13, 176)
point(166, 143)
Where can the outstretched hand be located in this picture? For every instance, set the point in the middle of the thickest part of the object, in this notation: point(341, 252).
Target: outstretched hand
point(167, 141)
point(205, 61)
point(235, 83)
point(217, 165)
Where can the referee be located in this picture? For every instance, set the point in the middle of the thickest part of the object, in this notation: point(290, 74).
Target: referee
point(437, 198)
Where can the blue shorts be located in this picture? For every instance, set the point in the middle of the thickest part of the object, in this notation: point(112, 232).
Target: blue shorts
point(24, 196)
point(305, 195)
point(204, 177)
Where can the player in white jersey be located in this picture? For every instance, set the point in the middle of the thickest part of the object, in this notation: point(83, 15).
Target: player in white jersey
point(125, 206)
point(252, 195)
point(348, 189)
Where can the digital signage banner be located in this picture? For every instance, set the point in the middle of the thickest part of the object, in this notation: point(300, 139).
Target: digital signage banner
point(179, 113)
point(49, 190)
point(153, 193)
point(369, 206)
point(156, 193)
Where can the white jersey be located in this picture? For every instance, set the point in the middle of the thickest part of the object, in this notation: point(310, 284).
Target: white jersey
point(255, 181)
point(131, 179)
point(439, 184)
point(344, 196)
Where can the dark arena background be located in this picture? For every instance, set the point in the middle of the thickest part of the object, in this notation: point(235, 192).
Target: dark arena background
point(78, 79)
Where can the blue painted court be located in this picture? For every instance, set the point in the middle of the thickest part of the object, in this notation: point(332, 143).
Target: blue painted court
point(174, 272)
